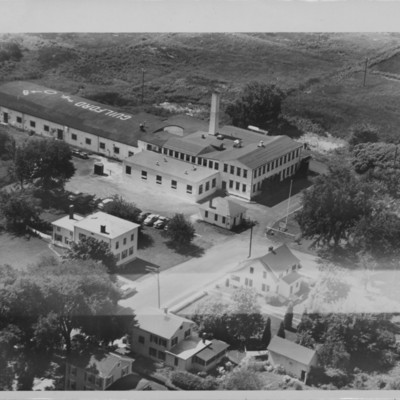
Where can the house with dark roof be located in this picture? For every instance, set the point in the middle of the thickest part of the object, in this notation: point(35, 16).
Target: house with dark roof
point(96, 371)
point(169, 338)
point(223, 212)
point(274, 273)
point(297, 360)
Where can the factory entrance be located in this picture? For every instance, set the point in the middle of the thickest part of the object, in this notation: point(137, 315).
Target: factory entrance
point(5, 118)
point(60, 134)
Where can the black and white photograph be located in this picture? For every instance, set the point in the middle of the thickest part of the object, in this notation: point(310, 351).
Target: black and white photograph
point(213, 212)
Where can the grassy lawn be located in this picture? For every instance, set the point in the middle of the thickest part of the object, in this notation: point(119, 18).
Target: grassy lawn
point(19, 251)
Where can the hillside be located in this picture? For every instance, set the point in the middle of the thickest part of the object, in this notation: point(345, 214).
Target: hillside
point(321, 72)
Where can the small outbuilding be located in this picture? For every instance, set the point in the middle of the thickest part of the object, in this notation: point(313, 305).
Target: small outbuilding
point(223, 212)
point(296, 359)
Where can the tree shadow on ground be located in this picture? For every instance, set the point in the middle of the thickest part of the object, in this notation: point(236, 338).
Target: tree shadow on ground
point(135, 269)
point(190, 249)
point(346, 255)
point(145, 240)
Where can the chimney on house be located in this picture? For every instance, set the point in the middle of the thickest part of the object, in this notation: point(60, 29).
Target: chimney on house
point(71, 211)
point(271, 249)
point(214, 115)
point(204, 336)
point(103, 229)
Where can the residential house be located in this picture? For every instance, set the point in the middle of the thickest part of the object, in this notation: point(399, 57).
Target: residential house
point(96, 371)
point(223, 212)
point(274, 273)
point(121, 235)
point(169, 338)
point(296, 359)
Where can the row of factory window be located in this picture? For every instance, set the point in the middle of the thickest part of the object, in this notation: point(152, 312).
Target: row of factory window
point(174, 184)
point(192, 159)
point(275, 164)
point(234, 185)
point(235, 170)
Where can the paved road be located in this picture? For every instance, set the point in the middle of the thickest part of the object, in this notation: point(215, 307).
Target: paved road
point(185, 279)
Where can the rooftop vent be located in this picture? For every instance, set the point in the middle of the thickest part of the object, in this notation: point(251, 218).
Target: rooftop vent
point(237, 143)
point(157, 163)
point(220, 137)
point(186, 172)
point(165, 160)
point(203, 136)
point(261, 144)
point(194, 168)
point(142, 126)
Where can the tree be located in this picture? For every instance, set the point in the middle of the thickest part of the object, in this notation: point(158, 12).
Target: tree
point(180, 231)
point(245, 319)
point(18, 210)
point(7, 145)
point(46, 163)
point(379, 234)
point(242, 378)
point(288, 318)
point(92, 249)
point(333, 206)
point(212, 318)
point(259, 104)
point(42, 305)
point(122, 209)
point(363, 133)
point(281, 331)
point(266, 337)
point(378, 163)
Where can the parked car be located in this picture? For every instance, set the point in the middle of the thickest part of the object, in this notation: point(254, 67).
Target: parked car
point(74, 195)
point(101, 205)
point(142, 216)
point(80, 154)
point(161, 222)
point(149, 221)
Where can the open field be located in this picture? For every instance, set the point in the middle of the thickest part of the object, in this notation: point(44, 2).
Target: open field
point(321, 72)
point(19, 251)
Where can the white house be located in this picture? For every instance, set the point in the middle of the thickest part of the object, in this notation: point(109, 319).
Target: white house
point(167, 337)
point(222, 212)
point(121, 235)
point(296, 359)
point(96, 371)
point(275, 272)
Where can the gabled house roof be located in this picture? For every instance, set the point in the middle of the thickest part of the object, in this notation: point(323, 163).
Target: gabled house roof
point(189, 347)
point(279, 259)
point(291, 350)
point(101, 364)
point(223, 206)
point(160, 323)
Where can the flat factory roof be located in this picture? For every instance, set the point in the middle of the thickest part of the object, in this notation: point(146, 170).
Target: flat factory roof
point(77, 112)
point(169, 166)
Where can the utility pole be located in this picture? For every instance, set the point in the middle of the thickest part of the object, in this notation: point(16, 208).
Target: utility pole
point(143, 71)
point(156, 270)
point(251, 238)
point(288, 205)
point(365, 71)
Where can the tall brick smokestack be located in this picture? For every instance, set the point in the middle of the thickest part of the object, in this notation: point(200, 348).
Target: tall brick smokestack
point(214, 115)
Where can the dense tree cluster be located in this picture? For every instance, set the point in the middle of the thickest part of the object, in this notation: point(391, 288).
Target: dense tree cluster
point(238, 321)
point(363, 133)
point(41, 307)
point(45, 163)
point(259, 105)
point(122, 209)
point(346, 341)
